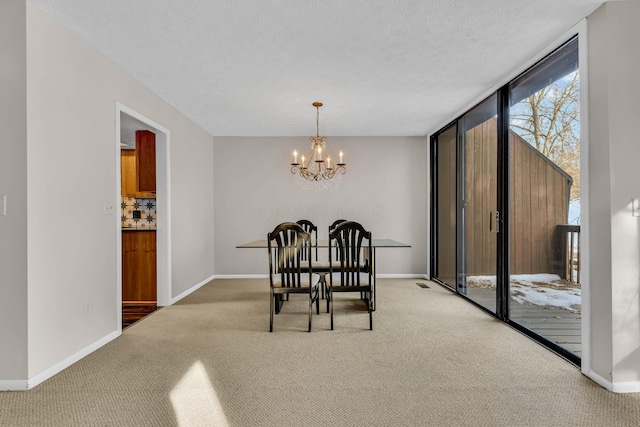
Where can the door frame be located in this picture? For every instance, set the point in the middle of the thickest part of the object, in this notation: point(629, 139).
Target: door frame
point(163, 205)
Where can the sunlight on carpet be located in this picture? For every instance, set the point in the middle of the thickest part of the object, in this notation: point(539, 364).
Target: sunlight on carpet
point(194, 399)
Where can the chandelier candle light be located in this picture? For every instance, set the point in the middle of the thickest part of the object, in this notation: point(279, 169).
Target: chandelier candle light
point(318, 165)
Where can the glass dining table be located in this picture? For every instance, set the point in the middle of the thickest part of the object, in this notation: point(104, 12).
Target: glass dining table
point(324, 268)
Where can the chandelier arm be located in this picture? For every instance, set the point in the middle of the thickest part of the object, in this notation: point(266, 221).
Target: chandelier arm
point(330, 173)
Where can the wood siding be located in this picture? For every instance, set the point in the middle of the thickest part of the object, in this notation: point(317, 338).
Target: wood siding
point(539, 196)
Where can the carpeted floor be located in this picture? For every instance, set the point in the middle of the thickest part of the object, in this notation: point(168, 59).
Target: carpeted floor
point(209, 360)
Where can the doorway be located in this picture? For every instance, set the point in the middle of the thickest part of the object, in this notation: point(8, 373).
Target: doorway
point(152, 213)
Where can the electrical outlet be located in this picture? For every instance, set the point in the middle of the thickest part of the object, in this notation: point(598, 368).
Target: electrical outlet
point(109, 208)
point(87, 308)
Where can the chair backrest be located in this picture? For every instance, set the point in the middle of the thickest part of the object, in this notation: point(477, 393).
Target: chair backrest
point(331, 228)
point(287, 243)
point(310, 228)
point(352, 244)
point(335, 224)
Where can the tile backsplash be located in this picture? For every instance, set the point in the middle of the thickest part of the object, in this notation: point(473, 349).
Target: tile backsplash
point(138, 213)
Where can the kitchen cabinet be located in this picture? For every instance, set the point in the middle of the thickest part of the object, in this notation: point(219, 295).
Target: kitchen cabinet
point(128, 172)
point(146, 156)
point(139, 276)
point(138, 167)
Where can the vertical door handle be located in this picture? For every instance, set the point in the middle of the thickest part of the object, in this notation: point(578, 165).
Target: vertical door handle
point(494, 221)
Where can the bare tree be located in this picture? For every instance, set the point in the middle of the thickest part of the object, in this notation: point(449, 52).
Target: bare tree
point(550, 121)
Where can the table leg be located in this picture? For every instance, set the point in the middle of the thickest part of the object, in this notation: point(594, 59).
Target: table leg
point(373, 271)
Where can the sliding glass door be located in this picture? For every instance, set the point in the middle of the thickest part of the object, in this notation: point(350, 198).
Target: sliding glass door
point(544, 199)
point(481, 221)
point(506, 203)
point(466, 220)
point(444, 155)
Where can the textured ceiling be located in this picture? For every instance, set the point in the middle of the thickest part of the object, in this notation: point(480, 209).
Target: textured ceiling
point(381, 67)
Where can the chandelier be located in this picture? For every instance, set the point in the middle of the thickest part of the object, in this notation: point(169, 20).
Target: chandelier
point(318, 170)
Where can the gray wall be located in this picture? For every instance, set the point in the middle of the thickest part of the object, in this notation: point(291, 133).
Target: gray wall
point(614, 177)
point(13, 184)
point(385, 188)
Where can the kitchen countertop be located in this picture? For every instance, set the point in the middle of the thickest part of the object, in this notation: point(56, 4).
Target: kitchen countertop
point(137, 229)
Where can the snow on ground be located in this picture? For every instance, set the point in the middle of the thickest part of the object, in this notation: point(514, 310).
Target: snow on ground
point(547, 290)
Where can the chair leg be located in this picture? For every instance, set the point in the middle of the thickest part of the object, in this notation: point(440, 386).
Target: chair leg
point(370, 304)
point(310, 312)
point(272, 304)
point(330, 299)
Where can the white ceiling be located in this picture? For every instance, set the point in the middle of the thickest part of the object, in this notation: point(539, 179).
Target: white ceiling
point(381, 67)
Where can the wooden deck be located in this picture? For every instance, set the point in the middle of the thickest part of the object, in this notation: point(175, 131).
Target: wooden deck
point(555, 324)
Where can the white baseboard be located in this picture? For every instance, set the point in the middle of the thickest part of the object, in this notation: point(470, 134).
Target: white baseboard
point(191, 290)
point(626, 387)
point(599, 380)
point(402, 276)
point(266, 276)
point(615, 386)
point(45, 375)
point(14, 385)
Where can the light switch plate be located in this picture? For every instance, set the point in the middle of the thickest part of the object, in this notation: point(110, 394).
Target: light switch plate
point(109, 208)
point(3, 205)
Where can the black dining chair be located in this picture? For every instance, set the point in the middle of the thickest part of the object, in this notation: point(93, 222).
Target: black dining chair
point(319, 268)
point(312, 229)
point(286, 244)
point(351, 271)
point(332, 227)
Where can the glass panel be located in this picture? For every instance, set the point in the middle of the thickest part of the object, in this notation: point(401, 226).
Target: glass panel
point(446, 206)
point(478, 278)
point(544, 199)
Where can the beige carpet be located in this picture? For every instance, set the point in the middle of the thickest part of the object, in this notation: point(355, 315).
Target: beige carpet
point(431, 360)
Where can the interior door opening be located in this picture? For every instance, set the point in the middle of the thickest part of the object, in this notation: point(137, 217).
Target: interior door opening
point(143, 224)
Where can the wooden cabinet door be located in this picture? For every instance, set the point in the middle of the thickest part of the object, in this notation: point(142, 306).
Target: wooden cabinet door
point(147, 272)
point(129, 261)
point(146, 153)
point(139, 275)
point(128, 172)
